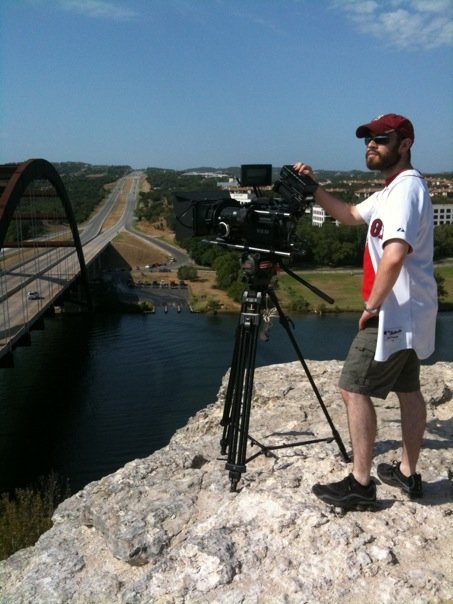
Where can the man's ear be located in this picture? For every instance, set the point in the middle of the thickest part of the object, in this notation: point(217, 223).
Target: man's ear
point(405, 144)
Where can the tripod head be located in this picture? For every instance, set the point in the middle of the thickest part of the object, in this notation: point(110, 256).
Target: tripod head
point(259, 269)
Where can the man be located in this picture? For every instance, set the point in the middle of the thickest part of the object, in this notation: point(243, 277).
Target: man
point(397, 325)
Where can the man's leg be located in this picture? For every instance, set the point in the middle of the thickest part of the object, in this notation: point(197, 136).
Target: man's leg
point(413, 423)
point(362, 430)
point(356, 490)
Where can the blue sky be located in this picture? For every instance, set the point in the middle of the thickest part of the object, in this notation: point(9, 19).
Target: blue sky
point(188, 83)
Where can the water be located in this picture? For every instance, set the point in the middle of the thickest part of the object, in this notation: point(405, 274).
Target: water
point(93, 392)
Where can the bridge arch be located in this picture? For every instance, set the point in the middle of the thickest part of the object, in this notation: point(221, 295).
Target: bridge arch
point(35, 203)
point(14, 181)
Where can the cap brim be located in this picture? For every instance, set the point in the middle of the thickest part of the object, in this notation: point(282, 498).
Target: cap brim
point(366, 129)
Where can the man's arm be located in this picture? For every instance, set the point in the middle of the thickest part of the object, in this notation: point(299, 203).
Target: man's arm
point(340, 210)
point(395, 252)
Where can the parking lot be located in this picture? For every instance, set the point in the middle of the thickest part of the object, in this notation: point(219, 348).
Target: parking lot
point(162, 290)
point(163, 293)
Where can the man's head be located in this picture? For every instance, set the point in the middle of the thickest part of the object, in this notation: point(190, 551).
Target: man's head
point(388, 139)
point(387, 123)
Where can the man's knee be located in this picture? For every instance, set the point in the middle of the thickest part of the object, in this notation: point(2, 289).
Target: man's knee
point(351, 398)
point(346, 395)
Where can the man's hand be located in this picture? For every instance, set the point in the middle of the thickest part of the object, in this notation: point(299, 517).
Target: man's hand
point(341, 211)
point(302, 168)
point(366, 316)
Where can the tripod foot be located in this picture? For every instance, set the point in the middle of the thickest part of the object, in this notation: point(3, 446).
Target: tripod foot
point(235, 476)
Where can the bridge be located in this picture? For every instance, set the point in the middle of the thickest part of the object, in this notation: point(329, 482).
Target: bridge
point(44, 260)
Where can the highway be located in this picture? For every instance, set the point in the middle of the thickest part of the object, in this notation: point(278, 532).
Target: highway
point(51, 271)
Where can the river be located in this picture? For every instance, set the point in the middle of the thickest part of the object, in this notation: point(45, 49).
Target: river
point(96, 391)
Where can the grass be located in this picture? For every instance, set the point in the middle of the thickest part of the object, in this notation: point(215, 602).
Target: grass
point(344, 286)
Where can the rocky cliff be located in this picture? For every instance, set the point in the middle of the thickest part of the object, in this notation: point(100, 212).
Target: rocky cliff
point(167, 529)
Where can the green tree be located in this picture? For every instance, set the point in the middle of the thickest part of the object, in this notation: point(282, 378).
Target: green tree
point(187, 272)
point(443, 241)
point(227, 269)
point(441, 290)
point(236, 289)
point(332, 245)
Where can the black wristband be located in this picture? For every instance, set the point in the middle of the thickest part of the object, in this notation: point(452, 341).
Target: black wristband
point(372, 311)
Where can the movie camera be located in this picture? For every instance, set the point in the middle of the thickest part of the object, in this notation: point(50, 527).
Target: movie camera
point(263, 224)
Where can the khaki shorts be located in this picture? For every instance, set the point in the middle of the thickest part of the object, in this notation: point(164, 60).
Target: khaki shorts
point(362, 374)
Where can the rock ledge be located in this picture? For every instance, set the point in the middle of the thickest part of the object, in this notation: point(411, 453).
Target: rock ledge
point(167, 529)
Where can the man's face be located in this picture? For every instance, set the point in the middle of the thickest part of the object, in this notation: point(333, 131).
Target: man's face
point(382, 157)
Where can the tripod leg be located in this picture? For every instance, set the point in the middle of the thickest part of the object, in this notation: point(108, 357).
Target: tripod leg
point(284, 322)
point(240, 387)
point(226, 417)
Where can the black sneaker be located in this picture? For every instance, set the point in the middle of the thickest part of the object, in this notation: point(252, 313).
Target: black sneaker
point(391, 474)
point(348, 493)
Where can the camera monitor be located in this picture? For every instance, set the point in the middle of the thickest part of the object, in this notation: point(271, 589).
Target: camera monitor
point(256, 175)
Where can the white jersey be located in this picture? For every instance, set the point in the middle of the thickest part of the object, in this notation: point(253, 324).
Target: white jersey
point(403, 210)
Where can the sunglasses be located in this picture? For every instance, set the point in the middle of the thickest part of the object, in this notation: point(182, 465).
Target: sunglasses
point(379, 139)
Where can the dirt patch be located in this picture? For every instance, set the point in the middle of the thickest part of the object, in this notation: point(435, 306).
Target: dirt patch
point(158, 230)
point(135, 251)
point(145, 187)
point(118, 209)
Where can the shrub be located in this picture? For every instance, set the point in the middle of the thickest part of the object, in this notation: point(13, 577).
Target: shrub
point(26, 514)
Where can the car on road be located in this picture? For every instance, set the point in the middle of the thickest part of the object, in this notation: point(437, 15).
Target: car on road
point(33, 295)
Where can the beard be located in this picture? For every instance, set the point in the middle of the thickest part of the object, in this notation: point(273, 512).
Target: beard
point(375, 160)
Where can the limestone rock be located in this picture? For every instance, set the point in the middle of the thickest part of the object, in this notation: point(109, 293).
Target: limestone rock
point(168, 530)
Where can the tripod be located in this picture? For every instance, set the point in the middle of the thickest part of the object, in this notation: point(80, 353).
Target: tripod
point(258, 271)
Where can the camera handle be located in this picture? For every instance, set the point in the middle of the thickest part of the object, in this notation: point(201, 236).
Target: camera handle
point(238, 397)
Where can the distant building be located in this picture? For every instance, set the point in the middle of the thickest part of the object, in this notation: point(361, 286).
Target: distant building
point(241, 194)
point(440, 187)
point(366, 192)
point(206, 174)
point(319, 216)
point(443, 213)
